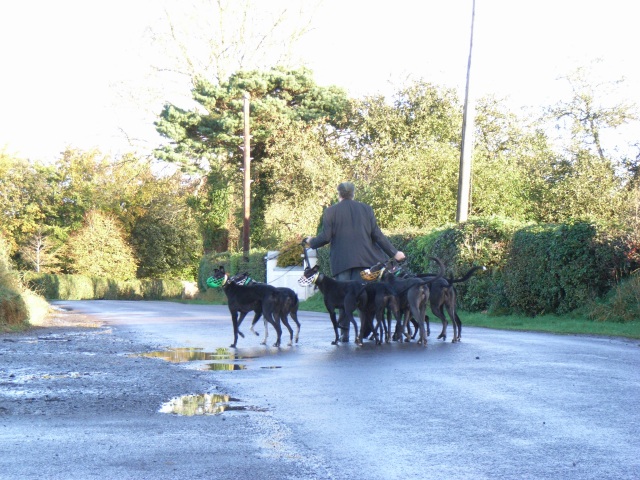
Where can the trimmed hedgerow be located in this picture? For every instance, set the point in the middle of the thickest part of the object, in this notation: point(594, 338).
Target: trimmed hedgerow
point(80, 287)
point(559, 268)
point(462, 246)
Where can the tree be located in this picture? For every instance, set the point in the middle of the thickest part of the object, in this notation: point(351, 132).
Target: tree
point(99, 249)
point(208, 139)
point(513, 161)
point(167, 241)
point(213, 38)
point(405, 155)
point(592, 181)
point(302, 170)
point(40, 252)
point(23, 199)
point(589, 113)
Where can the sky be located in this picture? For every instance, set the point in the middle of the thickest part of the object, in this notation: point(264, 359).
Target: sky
point(75, 73)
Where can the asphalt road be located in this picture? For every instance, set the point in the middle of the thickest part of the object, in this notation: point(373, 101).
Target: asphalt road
point(85, 403)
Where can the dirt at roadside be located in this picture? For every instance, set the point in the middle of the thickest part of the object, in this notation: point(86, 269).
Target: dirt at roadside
point(74, 364)
point(78, 400)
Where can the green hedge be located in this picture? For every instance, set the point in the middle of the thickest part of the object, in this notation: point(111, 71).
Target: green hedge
point(479, 241)
point(80, 287)
point(559, 268)
point(532, 269)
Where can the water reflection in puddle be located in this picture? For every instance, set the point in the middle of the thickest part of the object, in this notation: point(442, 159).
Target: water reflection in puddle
point(182, 355)
point(224, 366)
point(205, 404)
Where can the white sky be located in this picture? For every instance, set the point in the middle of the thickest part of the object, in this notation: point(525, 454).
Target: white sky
point(62, 60)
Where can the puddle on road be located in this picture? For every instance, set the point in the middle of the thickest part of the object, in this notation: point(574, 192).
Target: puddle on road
point(182, 355)
point(205, 404)
point(224, 366)
point(186, 355)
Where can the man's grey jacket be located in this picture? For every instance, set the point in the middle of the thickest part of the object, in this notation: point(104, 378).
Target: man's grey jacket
point(356, 240)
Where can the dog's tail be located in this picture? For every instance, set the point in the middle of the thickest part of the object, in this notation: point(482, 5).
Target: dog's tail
point(427, 279)
point(467, 275)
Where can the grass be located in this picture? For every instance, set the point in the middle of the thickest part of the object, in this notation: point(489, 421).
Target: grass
point(568, 324)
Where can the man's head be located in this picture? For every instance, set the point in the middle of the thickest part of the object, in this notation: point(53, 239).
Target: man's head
point(346, 190)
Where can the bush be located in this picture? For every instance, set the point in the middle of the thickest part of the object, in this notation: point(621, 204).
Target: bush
point(79, 287)
point(622, 304)
point(17, 305)
point(559, 268)
point(479, 241)
point(290, 255)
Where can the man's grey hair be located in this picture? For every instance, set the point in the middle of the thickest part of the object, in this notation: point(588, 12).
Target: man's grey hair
point(346, 190)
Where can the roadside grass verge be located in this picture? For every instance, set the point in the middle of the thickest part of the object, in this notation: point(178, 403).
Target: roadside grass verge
point(566, 324)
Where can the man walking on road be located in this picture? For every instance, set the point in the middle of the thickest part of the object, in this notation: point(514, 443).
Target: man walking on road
point(356, 240)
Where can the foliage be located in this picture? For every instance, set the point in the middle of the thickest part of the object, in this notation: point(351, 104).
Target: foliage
point(166, 241)
point(13, 309)
point(99, 249)
point(82, 287)
point(479, 241)
point(209, 138)
point(622, 303)
point(405, 155)
point(24, 191)
point(19, 307)
point(290, 254)
point(301, 172)
point(558, 268)
point(512, 158)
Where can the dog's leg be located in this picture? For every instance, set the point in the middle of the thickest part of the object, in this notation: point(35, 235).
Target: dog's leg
point(334, 322)
point(350, 304)
point(256, 317)
point(240, 319)
point(268, 309)
point(437, 311)
point(234, 322)
point(415, 298)
point(294, 315)
point(283, 319)
point(450, 305)
point(266, 330)
point(392, 309)
point(459, 322)
point(379, 328)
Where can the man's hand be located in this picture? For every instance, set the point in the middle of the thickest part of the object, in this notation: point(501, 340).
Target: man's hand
point(399, 256)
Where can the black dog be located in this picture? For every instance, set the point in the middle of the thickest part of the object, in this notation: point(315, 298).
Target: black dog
point(341, 296)
point(286, 305)
point(376, 299)
point(413, 295)
point(443, 298)
point(260, 298)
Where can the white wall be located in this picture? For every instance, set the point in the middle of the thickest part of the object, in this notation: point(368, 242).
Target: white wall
point(288, 277)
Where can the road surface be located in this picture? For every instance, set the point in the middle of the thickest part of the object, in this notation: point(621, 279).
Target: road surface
point(155, 392)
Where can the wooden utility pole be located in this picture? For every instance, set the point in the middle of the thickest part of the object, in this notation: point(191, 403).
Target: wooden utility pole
point(247, 181)
point(466, 149)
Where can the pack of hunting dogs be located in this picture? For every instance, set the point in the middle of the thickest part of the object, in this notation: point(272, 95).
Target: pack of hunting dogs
point(386, 292)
